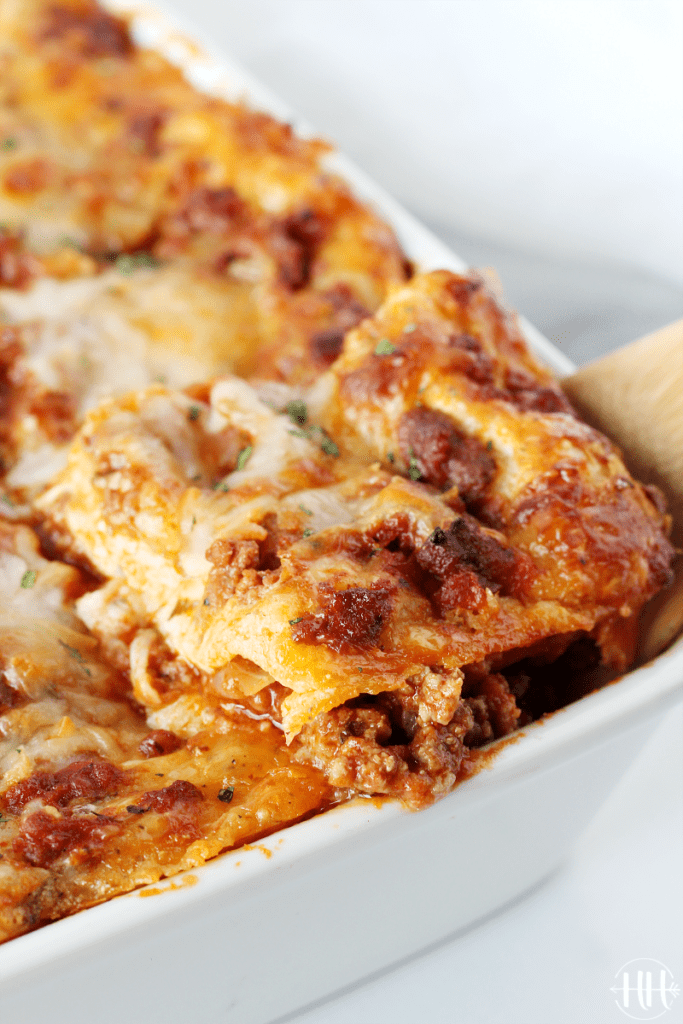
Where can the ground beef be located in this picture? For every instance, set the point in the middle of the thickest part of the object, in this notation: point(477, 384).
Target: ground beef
point(461, 563)
point(437, 452)
point(492, 704)
point(206, 210)
point(380, 744)
point(44, 838)
point(349, 619)
point(528, 395)
point(159, 742)
point(17, 267)
point(385, 744)
point(82, 780)
point(174, 797)
point(294, 243)
point(90, 31)
point(236, 569)
point(345, 313)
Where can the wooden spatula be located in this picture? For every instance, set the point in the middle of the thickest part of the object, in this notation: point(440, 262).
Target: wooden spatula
point(635, 396)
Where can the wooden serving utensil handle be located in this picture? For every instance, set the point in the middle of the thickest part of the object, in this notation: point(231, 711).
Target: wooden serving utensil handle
point(635, 397)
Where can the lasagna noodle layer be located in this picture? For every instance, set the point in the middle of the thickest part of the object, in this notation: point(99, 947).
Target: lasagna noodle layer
point(356, 585)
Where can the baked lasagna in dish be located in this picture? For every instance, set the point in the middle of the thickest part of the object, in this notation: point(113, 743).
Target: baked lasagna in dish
point(284, 521)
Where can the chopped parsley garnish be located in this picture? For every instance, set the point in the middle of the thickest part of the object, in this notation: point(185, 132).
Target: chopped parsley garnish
point(219, 485)
point(226, 794)
point(207, 601)
point(384, 347)
point(297, 411)
point(390, 457)
point(305, 510)
point(313, 432)
point(413, 467)
point(244, 456)
point(126, 264)
point(193, 413)
point(76, 655)
point(29, 578)
point(308, 532)
point(3, 820)
point(71, 243)
point(489, 446)
point(7, 500)
point(293, 622)
point(329, 446)
point(9, 143)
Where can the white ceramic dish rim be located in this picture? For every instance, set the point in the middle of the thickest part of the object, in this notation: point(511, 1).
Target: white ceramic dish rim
point(636, 697)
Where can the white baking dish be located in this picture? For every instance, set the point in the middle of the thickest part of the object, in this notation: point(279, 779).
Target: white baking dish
point(260, 932)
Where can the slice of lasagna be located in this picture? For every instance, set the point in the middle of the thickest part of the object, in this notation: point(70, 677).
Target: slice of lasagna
point(281, 524)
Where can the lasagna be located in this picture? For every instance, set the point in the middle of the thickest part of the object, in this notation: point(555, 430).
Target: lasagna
point(284, 520)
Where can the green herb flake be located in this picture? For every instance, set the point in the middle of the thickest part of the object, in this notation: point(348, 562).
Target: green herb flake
point(244, 456)
point(308, 532)
point(489, 446)
point(70, 243)
point(76, 655)
point(413, 467)
point(329, 446)
point(391, 457)
point(225, 795)
point(384, 347)
point(297, 411)
point(305, 510)
point(7, 500)
point(127, 264)
point(193, 413)
point(9, 143)
point(293, 622)
point(3, 820)
point(29, 578)
point(207, 601)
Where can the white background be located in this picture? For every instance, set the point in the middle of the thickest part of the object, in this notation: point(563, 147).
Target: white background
point(544, 137)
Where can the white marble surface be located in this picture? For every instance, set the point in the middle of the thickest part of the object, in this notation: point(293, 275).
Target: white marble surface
point(545, 138)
